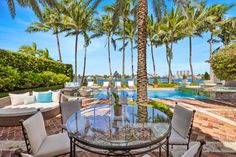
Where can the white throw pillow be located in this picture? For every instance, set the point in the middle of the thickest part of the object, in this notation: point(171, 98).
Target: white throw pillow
point(18, 99)
point(56, 96)
point(29, 100)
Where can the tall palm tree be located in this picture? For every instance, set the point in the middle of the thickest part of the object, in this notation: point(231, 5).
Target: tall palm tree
point(34, 4)
point(123, 9)
point(76, 15)
point(215, 15)
point(104, 26)
point(195, 23)
point(142, 45)
point(51, 20)
point(151, 37)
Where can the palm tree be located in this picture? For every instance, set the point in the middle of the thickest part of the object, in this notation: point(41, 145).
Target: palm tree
point(142, 45)
point(76, 16)
point(34, 4)
point(215, 15)
point(151, 37)
point(33, 51)
point(104, 26)
point(123, 9)
point(195, 23)
point(51, 20)
point(29, 50)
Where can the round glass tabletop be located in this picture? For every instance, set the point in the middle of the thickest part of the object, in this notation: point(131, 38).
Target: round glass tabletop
point(120, 127)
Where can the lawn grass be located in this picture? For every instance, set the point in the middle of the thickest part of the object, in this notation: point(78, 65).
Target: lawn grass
point(4, 94)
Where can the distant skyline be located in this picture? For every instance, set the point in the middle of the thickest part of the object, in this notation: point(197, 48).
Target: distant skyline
point(13, 35)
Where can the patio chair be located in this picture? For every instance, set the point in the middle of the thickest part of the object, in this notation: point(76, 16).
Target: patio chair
point(38, 143)
point(194, 151)
point(105, 84)
point(182, 123)
point(67, 109)
point(118, 84)
point(131, 84)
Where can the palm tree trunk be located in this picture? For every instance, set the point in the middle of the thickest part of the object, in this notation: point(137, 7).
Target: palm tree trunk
point(190, 58)
point(142, 57)
point(132, 58)
point(85, 56)
point(109, 55)
point(153, 60)
point(211, 70)
point(168, 59)
point(76, 47)
point(123, 53)
point(58, 46)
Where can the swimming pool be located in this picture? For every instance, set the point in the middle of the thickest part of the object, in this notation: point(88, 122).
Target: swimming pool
point(162, 94)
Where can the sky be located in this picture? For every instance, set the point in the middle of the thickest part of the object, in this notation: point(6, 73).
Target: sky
point(13, 35)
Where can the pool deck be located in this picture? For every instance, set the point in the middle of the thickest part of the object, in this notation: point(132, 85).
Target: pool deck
point(214, 122)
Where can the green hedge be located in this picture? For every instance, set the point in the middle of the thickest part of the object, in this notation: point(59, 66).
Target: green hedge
point(224, 63)
point(24, 62)
point(166, 85)
point(38, 89)
point(12, 79)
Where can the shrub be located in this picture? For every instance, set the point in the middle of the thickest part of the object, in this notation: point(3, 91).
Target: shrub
point(24, 62)
point(184, 77)
point(162, 107)
point(155, 80)
point(205, 76)
point(166, 85)
point(9, 78)
point(224, 63)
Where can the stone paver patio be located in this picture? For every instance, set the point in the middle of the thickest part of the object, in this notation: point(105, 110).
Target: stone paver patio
point(214, 122)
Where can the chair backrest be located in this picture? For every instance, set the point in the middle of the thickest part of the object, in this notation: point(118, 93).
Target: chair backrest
point(195, 150)
point(131, 83)
point(90, 83)
point(118, 84)
point(105, 84)
point(68, 108)
point(34, 132)
point(182, 120)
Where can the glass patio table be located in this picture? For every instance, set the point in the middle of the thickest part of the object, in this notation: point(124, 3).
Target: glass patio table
point(118, 130)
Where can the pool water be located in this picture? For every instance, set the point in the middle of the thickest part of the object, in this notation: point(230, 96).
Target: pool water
point(164, 94)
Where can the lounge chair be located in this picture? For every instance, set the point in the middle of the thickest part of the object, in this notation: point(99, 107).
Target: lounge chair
point(182, 123)
point(90, 84)
point(105, 84)
point(38, 143)
point(67, 109)
point(131, 84)
point(70, 88)
point(118, 84)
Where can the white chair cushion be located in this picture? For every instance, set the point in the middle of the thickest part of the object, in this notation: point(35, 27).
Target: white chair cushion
point(29, 99)
point(18, 99)
point(35, 130)
point(105, 84)
point(131, 83)
point(181, 120)
point(54, 145)
point(26, 155)
point(90, 83)
point(118, 84)
point(193, 151)
point(176, 138)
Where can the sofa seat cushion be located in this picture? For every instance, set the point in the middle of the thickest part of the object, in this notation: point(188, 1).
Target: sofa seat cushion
point(54, 145)
point(21, 110)
point(176, 138)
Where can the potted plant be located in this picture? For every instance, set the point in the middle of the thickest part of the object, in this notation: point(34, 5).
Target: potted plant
point(155, 82)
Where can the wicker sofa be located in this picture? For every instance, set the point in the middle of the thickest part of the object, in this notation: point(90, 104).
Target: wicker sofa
point(11, 114)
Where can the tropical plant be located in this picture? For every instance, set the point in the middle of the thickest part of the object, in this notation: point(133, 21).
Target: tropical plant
point(34, 4)
point(76, 16)
point(123, 9)
point(195, 23)
point(215, 15)
point(51, 20)
point(151, 36)
point(105, 27)
point(33, 51)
